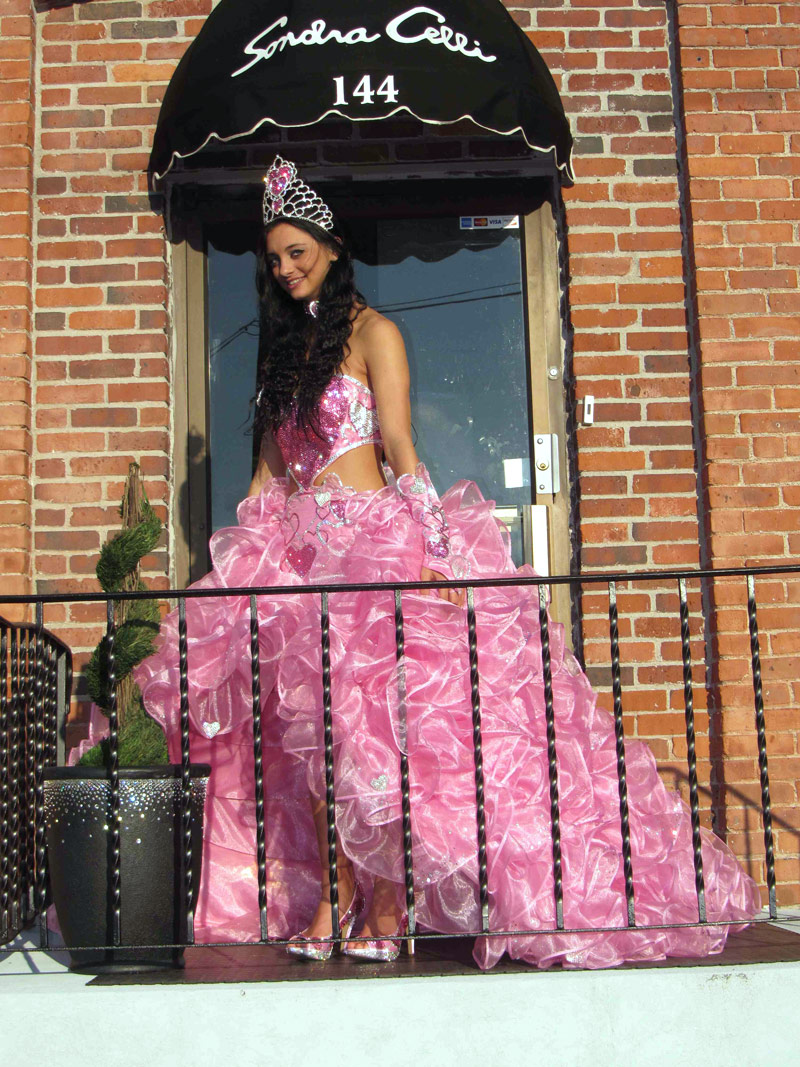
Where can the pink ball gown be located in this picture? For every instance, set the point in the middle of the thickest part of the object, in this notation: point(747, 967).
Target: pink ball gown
point(333, 534)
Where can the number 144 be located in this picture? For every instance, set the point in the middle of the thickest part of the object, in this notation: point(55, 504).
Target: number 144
point(364, 91)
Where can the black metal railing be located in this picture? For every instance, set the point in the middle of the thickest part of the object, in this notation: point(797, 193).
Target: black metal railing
point(35, 684)
point(35, 680)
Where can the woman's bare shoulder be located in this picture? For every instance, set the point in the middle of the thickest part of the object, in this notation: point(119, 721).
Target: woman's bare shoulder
point(376, 347)
point(374, 330)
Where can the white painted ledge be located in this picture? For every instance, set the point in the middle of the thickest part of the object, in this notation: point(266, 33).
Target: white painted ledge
point(717, 1016)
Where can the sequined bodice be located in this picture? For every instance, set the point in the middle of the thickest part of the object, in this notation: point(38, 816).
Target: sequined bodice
point(347, 416)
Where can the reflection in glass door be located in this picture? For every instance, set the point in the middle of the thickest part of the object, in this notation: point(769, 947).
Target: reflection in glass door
point(233, 353)
point(456, 295)
point(455, 292)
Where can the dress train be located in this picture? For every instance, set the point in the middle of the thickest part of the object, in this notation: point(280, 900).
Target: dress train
point(332, 534)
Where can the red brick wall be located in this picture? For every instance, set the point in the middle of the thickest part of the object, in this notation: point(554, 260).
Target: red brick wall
point(102, 383)
point(17, 96)
point(743, 122)
point(740, 66)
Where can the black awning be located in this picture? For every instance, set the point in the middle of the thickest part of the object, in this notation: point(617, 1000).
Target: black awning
point(291, 63)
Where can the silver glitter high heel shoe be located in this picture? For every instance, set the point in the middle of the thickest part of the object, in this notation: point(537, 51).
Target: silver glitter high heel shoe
point(321, 949)
point(382, 950)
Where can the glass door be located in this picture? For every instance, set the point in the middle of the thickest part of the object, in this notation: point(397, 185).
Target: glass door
point(454, 287)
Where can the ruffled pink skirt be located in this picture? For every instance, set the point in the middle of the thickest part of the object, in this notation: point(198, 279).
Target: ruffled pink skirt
point(333, 535)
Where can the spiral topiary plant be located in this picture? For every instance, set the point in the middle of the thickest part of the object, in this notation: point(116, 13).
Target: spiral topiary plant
point(141, 740)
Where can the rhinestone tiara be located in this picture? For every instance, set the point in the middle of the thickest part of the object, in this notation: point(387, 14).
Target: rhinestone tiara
point(286, 195)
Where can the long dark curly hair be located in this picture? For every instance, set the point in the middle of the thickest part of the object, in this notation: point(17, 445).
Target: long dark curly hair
point(298, 355)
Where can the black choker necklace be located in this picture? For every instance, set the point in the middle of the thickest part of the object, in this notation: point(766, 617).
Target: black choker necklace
point(312, 308)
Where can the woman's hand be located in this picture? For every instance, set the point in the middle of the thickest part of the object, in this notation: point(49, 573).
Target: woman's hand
point(455, 596)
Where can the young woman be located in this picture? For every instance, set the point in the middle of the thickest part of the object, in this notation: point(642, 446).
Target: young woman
point(339, 497)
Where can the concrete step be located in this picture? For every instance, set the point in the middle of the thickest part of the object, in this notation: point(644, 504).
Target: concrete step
point(736, 1011)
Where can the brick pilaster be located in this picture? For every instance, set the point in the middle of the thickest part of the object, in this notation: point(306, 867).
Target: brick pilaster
point(17, 113)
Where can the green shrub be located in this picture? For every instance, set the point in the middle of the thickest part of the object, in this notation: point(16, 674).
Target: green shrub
point(141, 741)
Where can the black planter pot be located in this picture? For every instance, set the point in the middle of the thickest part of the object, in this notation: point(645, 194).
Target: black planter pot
point(153, 912)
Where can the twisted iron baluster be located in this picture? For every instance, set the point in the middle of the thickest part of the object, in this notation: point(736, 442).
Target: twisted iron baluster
point(115, 886)
point(41, 850)
point(31, 744)
point(67, 695)
point(330, 799)
point(552, 764)
point(28, 807)
point(51, 714)
point(186, 773)
point(691, 754)
point(619, 734)
point(4, 797)
point(261, 845)
point(477, 749)
point(14, 786)
point(47, 681)
point(763, 769)
point(405, 793)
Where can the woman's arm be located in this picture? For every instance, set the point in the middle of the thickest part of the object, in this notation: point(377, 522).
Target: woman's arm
point(270, 464)
point(387, 366)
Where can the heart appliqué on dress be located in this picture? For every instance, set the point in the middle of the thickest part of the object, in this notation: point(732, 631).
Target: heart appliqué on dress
point(322, 497)
point(300, 559)
point(210, 729)
point(363, 419)
point(379, 783)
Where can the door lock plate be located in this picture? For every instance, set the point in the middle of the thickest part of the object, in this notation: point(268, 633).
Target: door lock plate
point(545, 460)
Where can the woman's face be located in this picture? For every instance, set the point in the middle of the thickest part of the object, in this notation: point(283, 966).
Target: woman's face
point(299, 263)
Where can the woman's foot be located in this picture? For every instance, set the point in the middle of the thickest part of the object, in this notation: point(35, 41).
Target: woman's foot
point(385, 924)
point(315, 942)
point(320, 925)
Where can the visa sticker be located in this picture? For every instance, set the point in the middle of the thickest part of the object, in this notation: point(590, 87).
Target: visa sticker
point(489, 222)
